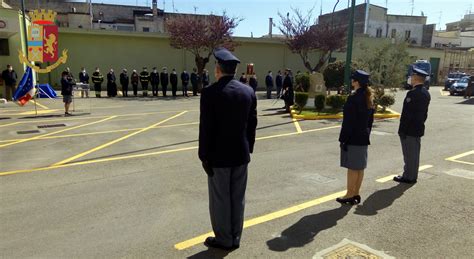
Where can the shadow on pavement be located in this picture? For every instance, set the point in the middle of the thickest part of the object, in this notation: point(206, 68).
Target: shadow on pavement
point(275, 125)
point(54, 116)
point(304, 231)
point(467, 101)
point(382, 199)
point(210, 253)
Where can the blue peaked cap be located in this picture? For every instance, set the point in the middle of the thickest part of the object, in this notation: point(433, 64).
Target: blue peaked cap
point(420, 72)
point(224, 56)
point(361, 76)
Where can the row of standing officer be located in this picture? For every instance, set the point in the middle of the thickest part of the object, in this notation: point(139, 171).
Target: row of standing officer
point(145, 79)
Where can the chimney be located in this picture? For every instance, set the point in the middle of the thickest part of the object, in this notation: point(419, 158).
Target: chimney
point(155, 8)
point(270, 27)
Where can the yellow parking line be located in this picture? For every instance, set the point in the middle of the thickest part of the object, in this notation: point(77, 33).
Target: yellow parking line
point(265, 218)
point(55, 132)
point(297, 126)
point(141, 155)
point(10, 124)
point(103, 132)
point(390, 177)
point(116, 141)
point(40, 105)
point(460, 155)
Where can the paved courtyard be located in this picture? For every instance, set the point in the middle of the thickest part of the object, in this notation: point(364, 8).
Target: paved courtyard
point(121, 178)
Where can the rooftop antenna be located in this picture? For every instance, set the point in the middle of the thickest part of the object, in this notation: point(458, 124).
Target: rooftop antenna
point(321, 8)
point(174, 9)
point(386, 4)
point(439, 21)
point(412, 6)
point(195, 9)
point(164, 5)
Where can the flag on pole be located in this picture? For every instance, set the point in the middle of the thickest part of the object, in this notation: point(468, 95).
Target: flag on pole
point(26, 90)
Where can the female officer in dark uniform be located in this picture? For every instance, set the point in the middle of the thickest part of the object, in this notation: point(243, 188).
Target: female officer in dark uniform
point(355, 133)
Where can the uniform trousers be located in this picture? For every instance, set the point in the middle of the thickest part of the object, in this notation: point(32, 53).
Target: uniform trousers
point(135, 89)
point(185, 89)
point(227, 202)
point(154, 89)
point(145, 89)
point(9, 92)
point(411, 156)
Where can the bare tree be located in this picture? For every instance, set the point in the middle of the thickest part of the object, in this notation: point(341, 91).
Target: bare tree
point(201, 35)
point(304, 37)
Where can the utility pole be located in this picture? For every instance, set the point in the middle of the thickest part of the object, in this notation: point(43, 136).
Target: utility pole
point(25, 33)
point(412, 6)
point(350, 38)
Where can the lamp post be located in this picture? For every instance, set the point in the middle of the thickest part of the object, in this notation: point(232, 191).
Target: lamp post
point(350, 38)
point(25, 34)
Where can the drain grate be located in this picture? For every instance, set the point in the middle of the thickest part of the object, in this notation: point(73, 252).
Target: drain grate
point(51, 126)
point(27, 132)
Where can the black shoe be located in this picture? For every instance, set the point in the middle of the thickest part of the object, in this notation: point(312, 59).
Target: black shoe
point(67, 114)
point(350, 201)
point(212, 242)
point(400, 179)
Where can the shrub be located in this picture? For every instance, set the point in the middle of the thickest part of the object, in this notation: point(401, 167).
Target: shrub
point(319, 101)
point(302, 82)
point(334, 74)
point(301, 99)
point(386, 101)
point(336, 101)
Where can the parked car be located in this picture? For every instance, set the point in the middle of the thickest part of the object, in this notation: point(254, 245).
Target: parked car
point(453, 78)
point(459, 87)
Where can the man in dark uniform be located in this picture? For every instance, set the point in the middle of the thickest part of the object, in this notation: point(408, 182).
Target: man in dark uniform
point(144, 80)
point(155, 81)
point(289, 94)
point(124, 81)
point(228, 108)
point(469, 88)
point(84, 79)
point(185, 82)
point(269, 84)
point(134, 80)
point(97, 79)
point(412, 126)
point(194, 81)
point(174, 82)
point(10, 77)
point(279, 83)
point(205, 78)
point(164, 80)
point(243, 79)
point(111, 84)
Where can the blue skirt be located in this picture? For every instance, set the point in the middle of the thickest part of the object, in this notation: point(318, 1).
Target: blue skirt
point(355, 158)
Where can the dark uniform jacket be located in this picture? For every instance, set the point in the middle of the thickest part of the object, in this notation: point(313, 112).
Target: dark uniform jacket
point(288, 87)
point(227, 124)
point(66, 87)
point(155, 78)
point(415, 112)
point(243, 79)
point(124, 79)
point(97, 78)
point(253, 83)
point(111, 78)
point(269, 81)
point(194, 78)
point(164, 79)
point(205, 79)
point(185, 78)
point(358, 120)
point(84, 78)
point(279, 81)
point(135, 78)
point(174, 79)
point(144, 77)
point(10, 78)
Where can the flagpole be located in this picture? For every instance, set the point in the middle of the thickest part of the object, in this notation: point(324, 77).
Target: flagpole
point(25, 41)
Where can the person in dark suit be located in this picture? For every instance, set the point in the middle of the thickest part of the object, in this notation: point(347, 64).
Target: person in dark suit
point(412, 126)
point(185, 82)
point(10, 77)
point(227, 130)
point(253, 82)
point(84, 78)
point(144, 80)
point(155, 81)
point(164, 77)
point(243, 79)
point(355, 135)
point(194, 81)
point(124, 81)
point(269, 84)
point(174, 82)
point(97, 79)
point(66, 91)
point(205, 78)
point(289, 95)
point(134, 79)
point(111, 84)
point(279, 83)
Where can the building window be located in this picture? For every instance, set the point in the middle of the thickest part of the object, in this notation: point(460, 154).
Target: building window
point(146, 29)
point(4, 49)
point(407, 34)
point(379, 33)
point(394, 33)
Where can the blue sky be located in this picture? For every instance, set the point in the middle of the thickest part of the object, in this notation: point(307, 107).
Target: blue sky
point(257, 12)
